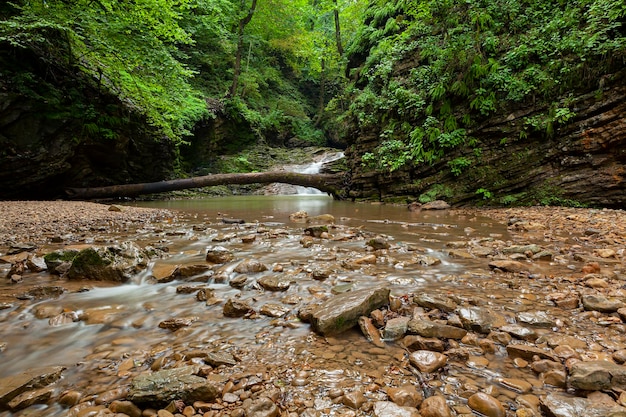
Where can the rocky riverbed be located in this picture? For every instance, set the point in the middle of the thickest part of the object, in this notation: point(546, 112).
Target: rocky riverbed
point(317, 316)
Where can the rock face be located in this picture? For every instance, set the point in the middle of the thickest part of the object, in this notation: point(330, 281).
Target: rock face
point(172, 384)
point(582, 161)
point(342, 311)
point(46, 146)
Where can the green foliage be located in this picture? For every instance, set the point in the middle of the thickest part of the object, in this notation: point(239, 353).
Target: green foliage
point(126, 48)
point(443, 67)
point(457, 165)
point(486, 194)
point(435, 192)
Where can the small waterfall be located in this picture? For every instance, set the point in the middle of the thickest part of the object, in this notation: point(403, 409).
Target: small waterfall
point(314, 168)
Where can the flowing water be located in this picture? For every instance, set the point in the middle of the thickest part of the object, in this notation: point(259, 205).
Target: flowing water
point(126, 318)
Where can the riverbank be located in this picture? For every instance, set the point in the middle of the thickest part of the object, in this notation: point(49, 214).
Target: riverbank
point(41, 222)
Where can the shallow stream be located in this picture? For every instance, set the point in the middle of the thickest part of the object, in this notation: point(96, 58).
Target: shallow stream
point(125, 319)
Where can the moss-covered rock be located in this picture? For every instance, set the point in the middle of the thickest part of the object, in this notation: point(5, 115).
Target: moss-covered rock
point(112, 263)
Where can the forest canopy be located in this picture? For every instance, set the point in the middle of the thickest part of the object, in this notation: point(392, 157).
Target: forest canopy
point(424, 74)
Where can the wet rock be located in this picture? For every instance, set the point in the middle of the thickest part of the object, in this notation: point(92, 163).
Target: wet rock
point(405, 396)
point(58, 262)
point(42, 292)
point(176, 323)
point(17, 248)
point(28, 398)
point(112, 263)
point(480, 320)
point(45, 311)
point(187, 271)
point(529, 352)
point(250, 266)
point(342, 311)
point(299, 216)
point(125, 407)
point(378, 243)
point(435, 302)
point(459, 254)
point(597, 375)
point(353, 399)
point(36, 264)
point(216, 359)
point(70, 398)
point(555, 378)
point(389, 409)
point(236, 308)
point(426, 260)
point(533, 249)
point(162, 387)
point(413, 342)
point(274, 283)
point(232, 221)
point(554, 340)
point(238, 281)
point(435, 406)
point(260, 407)
point(435, 205)
point(427, 361)
point(63, 318)
point(520, 332)
point(517, 385)
point(322, 218)
point(602, 303)
point(163, 272)
point(274, 310)
point(508, 266)
point(316, 231)
point(563, 405)
point(396, 328)
point(357, 263)
point(219, 255)
point(14, 385)
point(486, 405)
point(101, 315)
point(536, 318)
point(370, 332)
point(426, 328)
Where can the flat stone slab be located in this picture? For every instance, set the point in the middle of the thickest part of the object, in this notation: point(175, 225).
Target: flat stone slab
point(426, 328)
point(341, 312)
point(14, 385)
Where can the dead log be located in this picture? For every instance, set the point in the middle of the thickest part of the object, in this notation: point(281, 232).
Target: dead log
point(328, 183)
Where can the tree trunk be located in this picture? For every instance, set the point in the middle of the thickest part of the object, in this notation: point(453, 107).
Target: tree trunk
point(238, 54)
point(338, 31)
point(328, 183)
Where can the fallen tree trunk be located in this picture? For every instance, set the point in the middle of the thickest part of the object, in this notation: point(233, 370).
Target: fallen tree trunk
point(328, 183)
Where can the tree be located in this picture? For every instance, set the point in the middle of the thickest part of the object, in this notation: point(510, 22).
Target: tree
point(243, 22)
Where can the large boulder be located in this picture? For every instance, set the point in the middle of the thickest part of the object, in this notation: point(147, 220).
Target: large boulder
point(116, 263)
point(341, 312)
point(162, 387)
